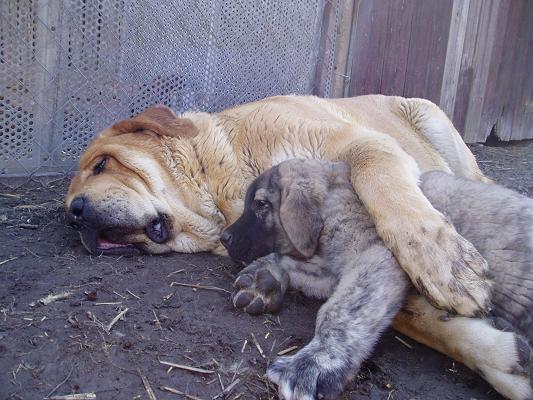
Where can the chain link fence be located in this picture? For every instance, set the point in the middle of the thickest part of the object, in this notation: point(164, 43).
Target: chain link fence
point(70, 68)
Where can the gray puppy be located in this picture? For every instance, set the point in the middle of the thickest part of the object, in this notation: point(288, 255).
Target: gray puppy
point(305, 228)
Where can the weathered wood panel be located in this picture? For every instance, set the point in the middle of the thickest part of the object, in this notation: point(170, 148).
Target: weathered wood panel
point(368, 52)
point(472, 57)
point(466, 70)
point(334, 48)
point(397, 46)
point(497, 63)
point(427, 51)
point(507, 84)
point(454, 54)
point(476, 127)
point(519, 110)
point(493, 97)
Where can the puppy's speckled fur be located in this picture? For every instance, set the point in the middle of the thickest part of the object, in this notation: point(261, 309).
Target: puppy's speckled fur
point(326, 245)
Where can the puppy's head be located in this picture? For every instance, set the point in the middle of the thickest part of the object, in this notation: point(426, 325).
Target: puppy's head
point(282, 211)
point(130, 195)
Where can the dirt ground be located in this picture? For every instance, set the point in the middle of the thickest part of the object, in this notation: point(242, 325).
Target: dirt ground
point(69, 346)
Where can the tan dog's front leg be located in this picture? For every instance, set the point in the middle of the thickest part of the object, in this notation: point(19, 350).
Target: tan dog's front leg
point(503, 358)
point(444, 266)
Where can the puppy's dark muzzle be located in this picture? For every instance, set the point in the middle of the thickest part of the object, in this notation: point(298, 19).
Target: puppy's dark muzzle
point(226, 239)
point(230, 241)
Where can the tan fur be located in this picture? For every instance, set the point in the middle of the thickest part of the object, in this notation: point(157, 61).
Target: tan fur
point(196, 170)
point(474, 342)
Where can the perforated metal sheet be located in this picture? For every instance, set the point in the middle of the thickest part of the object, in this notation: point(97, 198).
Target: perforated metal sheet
point(70, 68)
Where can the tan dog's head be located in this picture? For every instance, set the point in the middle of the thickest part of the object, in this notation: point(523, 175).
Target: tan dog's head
point(282, 210)
point(130, 195)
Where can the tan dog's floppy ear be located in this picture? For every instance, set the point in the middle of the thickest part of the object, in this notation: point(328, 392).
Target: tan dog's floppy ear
point(300, 218)
point(158, 119)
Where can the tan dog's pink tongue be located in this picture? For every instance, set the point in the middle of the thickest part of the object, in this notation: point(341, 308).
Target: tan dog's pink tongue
point(103, 244)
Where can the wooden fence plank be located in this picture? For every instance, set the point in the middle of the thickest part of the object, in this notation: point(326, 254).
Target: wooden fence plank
point(523, 116)
point(398, 35)
point(427, 50)
point(441, 16)
point(368, 47)
point(48, 51)
point(492, 98)
point(454, 53)
point(341, 79)
point(506, 80)
point(328, 39)
point(474, 130)
point(419, 50)
point(466, 71)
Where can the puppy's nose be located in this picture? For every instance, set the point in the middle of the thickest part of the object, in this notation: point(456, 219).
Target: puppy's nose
point(226, 238)
point(76, 207)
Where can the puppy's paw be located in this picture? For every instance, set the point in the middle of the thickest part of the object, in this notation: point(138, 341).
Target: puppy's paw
point(259, 291)
point(309, 375)
point(449, 271)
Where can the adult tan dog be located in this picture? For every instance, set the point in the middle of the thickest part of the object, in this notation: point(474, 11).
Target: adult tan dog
point(159, 182)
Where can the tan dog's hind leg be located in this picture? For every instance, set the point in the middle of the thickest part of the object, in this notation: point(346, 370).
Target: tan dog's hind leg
point(444, 266)
point(500, 357)
point(432, 123)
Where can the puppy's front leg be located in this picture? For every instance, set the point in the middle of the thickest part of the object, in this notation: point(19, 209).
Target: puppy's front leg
point(369, 294)
point(259, 288)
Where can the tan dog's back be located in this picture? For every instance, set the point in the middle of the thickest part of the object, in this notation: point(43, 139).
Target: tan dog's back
point(281, 117)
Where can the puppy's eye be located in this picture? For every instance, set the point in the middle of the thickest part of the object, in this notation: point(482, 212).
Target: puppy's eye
point(261, 203)
point(99, 167)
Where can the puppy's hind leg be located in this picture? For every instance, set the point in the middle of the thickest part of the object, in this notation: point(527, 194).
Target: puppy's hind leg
point(503, 358)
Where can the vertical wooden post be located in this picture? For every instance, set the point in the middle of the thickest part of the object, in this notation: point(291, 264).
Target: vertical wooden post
point(454, 53)
point(341, 77)
point(330, 77)
point(474, 130)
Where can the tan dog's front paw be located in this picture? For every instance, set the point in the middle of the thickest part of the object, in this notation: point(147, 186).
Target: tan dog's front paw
point(449, 271)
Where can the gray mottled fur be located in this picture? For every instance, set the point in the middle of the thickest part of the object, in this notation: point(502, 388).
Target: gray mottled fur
point(499, 223)
point(362, 282)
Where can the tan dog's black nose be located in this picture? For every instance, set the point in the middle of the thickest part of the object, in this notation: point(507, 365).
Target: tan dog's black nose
point(76, 207)
point(76, 211)
point(82, 215)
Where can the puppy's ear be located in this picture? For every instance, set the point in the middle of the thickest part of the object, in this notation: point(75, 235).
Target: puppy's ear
point(300, 218)
point(159, 120)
